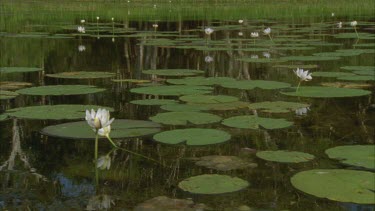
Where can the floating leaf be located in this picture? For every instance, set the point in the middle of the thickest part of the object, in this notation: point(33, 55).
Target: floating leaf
point(153, 102)
point(165, 203)
point(19, 69)
point(60, 90)
point(174, 90)
point(185, 118)
point(252, 84)
point(6, 95)
point(56, 112)
point(224, 163)
point(326, 92)
point(355, 36)
point(332, 74)
point(337, 184)
point(130, 80)
point(310, 58)
point(201, 81)
point(365, 72)
point(3, 117)
point(277, 106)
point(359, 68)
point(192, 136)
point(356, 155)
point(295, 66)
point(261, 60)
point(184, 107)
point(204, 99)
point(255, 122)
point(173, 72)
point(11, 85)
point(120, 128)
point(346, 85)
point(285, 156)
point(358, 78)
point(82, 75)
point(212, 184)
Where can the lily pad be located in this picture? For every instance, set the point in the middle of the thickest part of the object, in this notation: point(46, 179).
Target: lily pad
point(285, 156)
point(337, 184)
point(277, 106)
point(295, 66)
point(359, 68)
point(56, 112)
point(173, 72)
point(201, 81)
point(154, 102)
point(165, 203)
point(19, 69)
point(130, 80)
point(347, 85)
point(82, 75)
point(365, 72)
point(210, 99)
point(192, 136)
point(7, 95)
point(356, 155)
point(174, 90)
point(255, 122)
point(332, 74)
point(184, 107)
point(120, 128)
point(224, 163)
point(12, 85)
point(326, 92)
point(3, 117)
point(212, 184)
point(185, 118)
point(252, 84)
point(358, 78)
point(261, 60)
point(60, 90)
point(310, 58)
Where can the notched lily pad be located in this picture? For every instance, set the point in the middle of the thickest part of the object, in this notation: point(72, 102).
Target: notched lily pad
point(185, 118)
point(332, 74)
point(356, 155)
point(13, 85)
point(224, 163)
point(252, 84)
point(277, 106)
point(208, 99)
point(285, 156)
point(173, 72)
point(201, 81)
point(174, 90)
point(81, 75)
point(255, 122)
point(60, 90)
point(153, 102)
point(19, 69)
point(184, 107)
point(326, 92)
point(3, 117)
point(212, 184)
point(7, 95)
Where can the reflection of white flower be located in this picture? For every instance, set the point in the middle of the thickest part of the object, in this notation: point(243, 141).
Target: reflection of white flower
point(254, 56)
point(104, 162)
point(81, 29)
point(353, 23)
point(240, 34)
point(81, 48)
point(83, 21)
point(333, 14)
point(99, 121)
point(112, 18)
point(208, 31)
point(302, 111)
point(267, 55)
point(113, 39)
point(100, 202)
point(240, 21)
point(267, 31)
point(208, 59)
point(155, 25)
point(303, 75)
point(254, 34)
point(339, 25)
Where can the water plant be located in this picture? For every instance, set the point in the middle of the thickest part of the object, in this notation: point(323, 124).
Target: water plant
point(302, 75)
point(354, 24)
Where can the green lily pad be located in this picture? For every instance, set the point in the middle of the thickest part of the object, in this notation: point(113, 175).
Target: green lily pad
point(332, 74)
point(295, 66)
point(212, 184)
point(338, 54)
point(192, 136)
point(277, 106)
point(355, 155)
point(120, 128)
point(252, 84)
point(19, 69)
point(365, 72)
point(82, 75)
point(359, 68)
point(355, 36)
point(3, 117)
point(154, 102)
point(174, 90)
point(185, 118)
point(255, 122)
point(12, 85)
point(56, 112)
point(200, 81)
point(164, 203)
point(358, 78)
point(173, 72)
point(285, 156)
point(7, 95)
point(60, 90)
point(326, 92)
point(337, 184)
point(130, 80)
point(310, 58)
point(261, 60)
point(224, 163)
point(211, 99)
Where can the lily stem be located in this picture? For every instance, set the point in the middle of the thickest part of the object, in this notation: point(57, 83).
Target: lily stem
point(355, 29)
point(96, 159)
point(298, 85)
point(270, 38)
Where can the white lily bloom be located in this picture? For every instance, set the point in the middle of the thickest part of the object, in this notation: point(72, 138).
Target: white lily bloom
point(254, 34)
point(339, 25)
point(302, 111)
point(113, 39)
point(104, 162)
point(353, 23)
point(254, 56)
point(240, 34)
point(267, 31)
point(112, 18)
point(104, 131)
point(81, 48)
point(208, 59)
point(303, 75)
point(240, 21)
point(155, 25)
point(99, 121)
point(208, 31)
point(81, 29)
point(267, 55)
point(333, 14)
point(83, 21)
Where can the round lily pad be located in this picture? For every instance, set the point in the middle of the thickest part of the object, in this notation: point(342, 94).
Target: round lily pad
point(224, 163)
point(359, 68)
point(326, 92)
point(12, 85)
point(184, 107)
point(56, 112)
point(356, 155)
point(211, 99)
point(285, 156)
point(337, 184)
point(255, 122)
point(153, 102)
point(6, 95)
point(357, 78)
point(365, 72)
point(310, 58)
point(277, 106)
point(192, 136)
point(174, 90)
point(60, 90)
point(185, 118)
point(212, 184)
point(295, 66)
point(173, 72)
point(332, 74)
point(252, 84)
point(3, 117)
point(19, 69)
point(130, 80)
point(120, 128)
point(81, 75)
point(165, 203)
point(201, 81)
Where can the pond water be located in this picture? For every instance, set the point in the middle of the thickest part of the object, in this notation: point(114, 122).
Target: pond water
point(218, 119)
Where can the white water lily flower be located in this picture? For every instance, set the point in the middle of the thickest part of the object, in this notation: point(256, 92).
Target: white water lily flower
point(302, 111)
point(155, 25)
point(104, 162)
point(81, 48)
point(353, 23)
point(339, 25)
point(254, 34)
point(240, 34)
point(267, 31)
point(112, 18)
point(208, 59)
point(99, 121)
point(113, 39)
point(240, 21)
point(333, 14)
point(83, 21)
point(254, 56)
point(303, 75)
point(81, 29)
point(208, 31)
point(97, 18)
point(267, 55)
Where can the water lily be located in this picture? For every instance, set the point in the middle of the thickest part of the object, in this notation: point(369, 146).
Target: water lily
point(354, 24)
point(99, 120)
point(333, 14)
point(267, 31)
point(155, 25)
point(81, 29)
point(267, 55)
point(254, 56)
point(303, 76)
point(339, 25)
point(97, 18)
point(81, 48)
point(83, 21)
point(302, 111)
point(208, 59)
point(254, 34)
point(240, 21)
point(208, 31)
point(104, 162)
point(240, 34)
